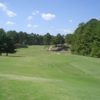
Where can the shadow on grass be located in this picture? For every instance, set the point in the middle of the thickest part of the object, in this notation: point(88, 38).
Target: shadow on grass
point(15, 56)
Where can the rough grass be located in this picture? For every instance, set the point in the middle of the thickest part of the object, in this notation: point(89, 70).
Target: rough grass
point(37, 74)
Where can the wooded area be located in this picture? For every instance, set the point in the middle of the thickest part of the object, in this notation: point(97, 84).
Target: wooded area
point(84, 41)
point(11, 40)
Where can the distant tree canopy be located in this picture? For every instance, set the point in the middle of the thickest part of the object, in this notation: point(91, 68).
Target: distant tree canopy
point(23, 38)
point(86, 39)
point(59, 39)
point(12, 39)
point(47, 39)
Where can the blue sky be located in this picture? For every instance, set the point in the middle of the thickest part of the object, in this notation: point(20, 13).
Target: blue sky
point(42, 16)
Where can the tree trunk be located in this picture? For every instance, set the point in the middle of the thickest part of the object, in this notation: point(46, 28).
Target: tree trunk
point(7, 54)
point(0, 54)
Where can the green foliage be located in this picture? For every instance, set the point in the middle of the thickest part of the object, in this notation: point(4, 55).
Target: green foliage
point(2, 40)
point(9, 46)
point(68, 38)
point(13, 35)
point(59, 39)
point(34, 39)
point(47, 39)
point(86, 39)
point(95, 51)
point(6, 43)
point(22, 39)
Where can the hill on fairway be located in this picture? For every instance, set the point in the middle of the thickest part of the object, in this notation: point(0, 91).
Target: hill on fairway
point(37, 74)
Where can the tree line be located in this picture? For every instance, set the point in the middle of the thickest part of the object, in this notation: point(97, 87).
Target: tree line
point(12, 39)
point(86, 39)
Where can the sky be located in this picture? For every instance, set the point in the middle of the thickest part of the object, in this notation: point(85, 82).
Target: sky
point(43, 16)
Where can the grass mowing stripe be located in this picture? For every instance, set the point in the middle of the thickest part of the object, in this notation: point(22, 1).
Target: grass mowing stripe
point(27, 78)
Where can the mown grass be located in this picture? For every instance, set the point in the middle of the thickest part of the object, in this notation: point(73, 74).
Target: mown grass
point(37, 74)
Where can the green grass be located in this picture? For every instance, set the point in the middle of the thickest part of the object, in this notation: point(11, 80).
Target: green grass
point(37, 74)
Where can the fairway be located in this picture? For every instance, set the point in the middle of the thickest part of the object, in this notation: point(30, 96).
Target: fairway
point(34, 73)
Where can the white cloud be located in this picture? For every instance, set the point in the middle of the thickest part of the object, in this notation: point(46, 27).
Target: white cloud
point(29, 25)
point(8, 12)
point(35, 26)
point(67, 31)
point(10, 23)
point(70, 20)
point(48, 16)
point(32, 26)
point(35, 12)
point(2, 6)
point(30, 18)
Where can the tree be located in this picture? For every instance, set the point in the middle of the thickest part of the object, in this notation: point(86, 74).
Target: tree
point(86, 39)
point(59, 39)
point(6, 43)
point(35, 39)
point(9, 46)
point(2, 40)
point(22, 37)
point(13, 35)
point(69, 38)
point(47, 39)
